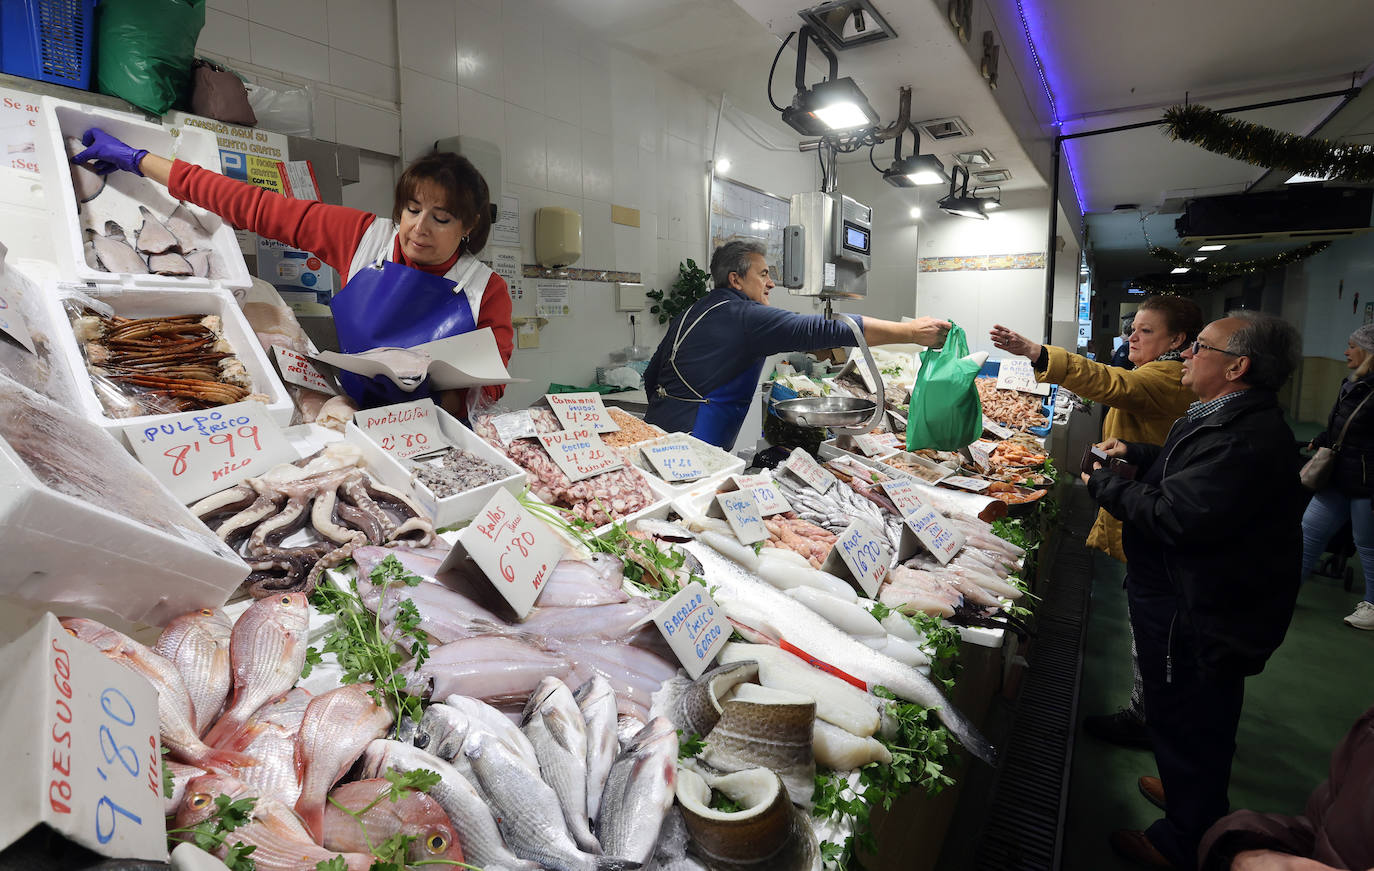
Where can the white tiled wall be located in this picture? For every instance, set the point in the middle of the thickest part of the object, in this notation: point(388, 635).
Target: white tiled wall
point(581, 124)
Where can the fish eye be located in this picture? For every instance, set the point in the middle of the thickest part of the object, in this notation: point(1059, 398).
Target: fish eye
point(206, 612)
point(71, 632)
point(199, 800)
point(436, 843)
point(286, 600)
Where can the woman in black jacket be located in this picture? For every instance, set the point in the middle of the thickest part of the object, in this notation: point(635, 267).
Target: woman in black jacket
point(1347, 496)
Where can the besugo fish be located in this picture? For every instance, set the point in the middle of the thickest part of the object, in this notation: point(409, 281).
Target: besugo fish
point(269, 736)
point(198, 645)
point(176, 717)
point(337, 727)
point(182, 774)
point(789, 620)
point(553, 723)
point(414, 814)
point(639, 792)
point(266, 655)
point(469, 812)
point(596, 700)
point(281, 842)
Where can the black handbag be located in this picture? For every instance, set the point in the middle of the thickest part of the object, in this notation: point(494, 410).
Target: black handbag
point(1316, 473)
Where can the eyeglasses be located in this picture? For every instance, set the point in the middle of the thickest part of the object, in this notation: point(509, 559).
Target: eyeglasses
point(1198, 346)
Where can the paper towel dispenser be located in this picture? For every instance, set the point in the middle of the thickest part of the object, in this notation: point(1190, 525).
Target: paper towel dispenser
point(557, 236)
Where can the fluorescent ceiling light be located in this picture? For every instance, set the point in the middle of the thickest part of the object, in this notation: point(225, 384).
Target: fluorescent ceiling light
point(1179, 270)
point(723, 164)
point(915, 211)
point(1299, 178)
point(1198, 259)
point(1211, 247)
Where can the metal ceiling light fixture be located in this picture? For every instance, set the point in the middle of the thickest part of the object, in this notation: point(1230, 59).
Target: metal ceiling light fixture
point(990, 200)
point(833, 105)
point(916, 169)
point(848, 23)
point(957, 201)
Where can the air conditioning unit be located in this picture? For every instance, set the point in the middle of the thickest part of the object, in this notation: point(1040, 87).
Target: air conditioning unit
point(1301, 214)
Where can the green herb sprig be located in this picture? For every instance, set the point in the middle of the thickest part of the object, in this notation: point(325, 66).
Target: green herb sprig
point(689, 745)
point(211, 833)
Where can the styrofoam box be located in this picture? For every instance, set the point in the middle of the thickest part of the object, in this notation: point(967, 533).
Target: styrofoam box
point(673, 490)
point(167, 302)
point(124, 192)
point(450, 509)
point(80, 554)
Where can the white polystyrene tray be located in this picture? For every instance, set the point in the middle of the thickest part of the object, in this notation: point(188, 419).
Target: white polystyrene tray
point(449, 510)
point(124, 192)
point(167, 302)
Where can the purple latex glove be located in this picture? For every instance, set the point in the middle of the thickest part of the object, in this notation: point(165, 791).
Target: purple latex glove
point(107, 154)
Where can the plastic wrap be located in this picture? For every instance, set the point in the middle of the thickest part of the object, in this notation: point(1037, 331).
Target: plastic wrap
point(275, 324)
point(42, 370)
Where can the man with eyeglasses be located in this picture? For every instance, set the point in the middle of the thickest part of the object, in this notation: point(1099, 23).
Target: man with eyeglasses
point(1213, 541)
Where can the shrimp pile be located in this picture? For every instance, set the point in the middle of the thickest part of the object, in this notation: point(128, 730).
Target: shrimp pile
point(1011, 408)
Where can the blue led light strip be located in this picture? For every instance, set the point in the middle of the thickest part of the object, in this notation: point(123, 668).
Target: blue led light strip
point(1049, 95)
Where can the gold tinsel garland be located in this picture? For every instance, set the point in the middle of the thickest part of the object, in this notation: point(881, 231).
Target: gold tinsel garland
point(1269, 148)
point(1219, 273)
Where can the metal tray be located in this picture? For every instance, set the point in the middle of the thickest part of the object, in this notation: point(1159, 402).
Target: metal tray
point(819, 411)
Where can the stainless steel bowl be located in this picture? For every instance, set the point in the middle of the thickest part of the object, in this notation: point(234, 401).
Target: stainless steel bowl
point(819, 411)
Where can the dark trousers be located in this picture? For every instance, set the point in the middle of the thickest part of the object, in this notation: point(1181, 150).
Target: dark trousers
point(1192, 721)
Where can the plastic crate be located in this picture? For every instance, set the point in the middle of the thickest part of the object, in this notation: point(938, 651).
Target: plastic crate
point(48, 40)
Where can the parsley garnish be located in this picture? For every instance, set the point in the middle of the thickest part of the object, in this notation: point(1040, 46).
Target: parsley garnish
point(213, 832)
point(689, 745)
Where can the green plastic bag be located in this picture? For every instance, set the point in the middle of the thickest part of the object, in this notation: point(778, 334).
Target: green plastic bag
point(145, 50)
point(945, 412)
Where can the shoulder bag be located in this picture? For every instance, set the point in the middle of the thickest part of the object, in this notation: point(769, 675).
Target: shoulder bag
point(1316, 473)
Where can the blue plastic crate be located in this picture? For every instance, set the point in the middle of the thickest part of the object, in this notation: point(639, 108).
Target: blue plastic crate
point(992, 367)
point(48, 40)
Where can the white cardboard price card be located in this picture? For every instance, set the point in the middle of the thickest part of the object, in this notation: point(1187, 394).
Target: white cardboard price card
point(963, 482)
point(992, 426)
point(1015, 373)
point(935, 532)
point(580, 453)
point(516, 550)
point(197, 453)
point(581, 411)
point(694, 626)
point(83, 746)
point(870, 446)
point(298, 369)
point(674, 461)
point(403, 430)
point(767, 495)
point(742, 512)
point(981, 454)
point(805, 467)
point(903, 494)
point(861, 554)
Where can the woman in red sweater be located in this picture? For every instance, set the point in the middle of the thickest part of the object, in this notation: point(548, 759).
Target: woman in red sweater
point(411, 279)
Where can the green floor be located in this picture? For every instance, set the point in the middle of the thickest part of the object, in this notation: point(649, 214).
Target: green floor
point(1313, 688)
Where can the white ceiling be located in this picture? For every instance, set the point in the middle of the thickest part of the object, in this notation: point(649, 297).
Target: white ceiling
point(1108, 63)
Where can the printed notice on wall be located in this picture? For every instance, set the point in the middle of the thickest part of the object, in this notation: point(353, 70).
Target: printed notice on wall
point(505, 262)
point(506, 230)
point(552, 299)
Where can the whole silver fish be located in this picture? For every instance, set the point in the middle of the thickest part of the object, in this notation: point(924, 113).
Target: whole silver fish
point(445, 728)
point(269, 736)
point(596, 700)
point(472, 817)
point(769, 613)
point(266, 655)
point(198, 645)
point(639, 792)
point(553, 723)
point(337, 727)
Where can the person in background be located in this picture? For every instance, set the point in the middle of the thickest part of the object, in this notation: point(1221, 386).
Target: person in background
point(1121, 357)
point(1213, 540)
point(706, 370)
point(1142, 404)
point(1332, 833)
point(410, 279)
point(1347, 496)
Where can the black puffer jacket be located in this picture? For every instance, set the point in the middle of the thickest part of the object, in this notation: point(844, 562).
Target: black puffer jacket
point(1216, 518)
point(1354, 473)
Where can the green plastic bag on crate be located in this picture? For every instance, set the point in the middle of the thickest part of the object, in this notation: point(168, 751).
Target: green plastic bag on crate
point(945, 412)
point(145, 50)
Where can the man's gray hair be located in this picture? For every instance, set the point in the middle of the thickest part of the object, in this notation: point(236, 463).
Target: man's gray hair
point(1273, 345)
point(734, 257)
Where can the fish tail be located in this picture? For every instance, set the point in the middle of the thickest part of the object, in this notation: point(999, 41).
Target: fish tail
point(311, 812)
point(967, 734)
point(223, 730)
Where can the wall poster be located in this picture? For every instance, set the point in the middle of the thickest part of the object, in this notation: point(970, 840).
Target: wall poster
point(739, 211)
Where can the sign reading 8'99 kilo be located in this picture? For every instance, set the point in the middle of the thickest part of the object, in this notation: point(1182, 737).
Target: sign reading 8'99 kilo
point(197, 453)
point(403, 430)
point(515, 550)
point(581, 411)
point(694, 626)
point(580, 453)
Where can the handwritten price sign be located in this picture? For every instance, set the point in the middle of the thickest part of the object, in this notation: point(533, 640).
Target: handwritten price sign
point(1016, 374)
point(801, 464)
point(297, 369)
point(865, 554)
point(742, 512)
point(581, 411)
point(694, 627)
point(997, 429)
point(202, 452)
point(674, 461)
point(403, 430)
point(515, 550)
point(874, 446)
point(580, 453)
point(935, 532)
point(963, 482)
point(766, 493)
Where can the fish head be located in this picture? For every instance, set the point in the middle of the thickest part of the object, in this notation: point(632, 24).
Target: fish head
point(201, 794)
point(422, 818)
point(108, 641)
point(290, 611)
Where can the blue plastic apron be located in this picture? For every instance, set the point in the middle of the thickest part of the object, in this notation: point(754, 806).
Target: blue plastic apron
point(391, 305)
point(721, 412)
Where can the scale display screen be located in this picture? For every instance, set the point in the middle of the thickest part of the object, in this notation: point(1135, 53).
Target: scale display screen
point(855, 238)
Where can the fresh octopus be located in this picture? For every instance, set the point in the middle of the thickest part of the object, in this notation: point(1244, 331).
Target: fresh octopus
point(341, 502)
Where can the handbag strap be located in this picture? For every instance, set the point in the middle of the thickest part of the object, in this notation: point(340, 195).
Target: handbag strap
point(1349, 420)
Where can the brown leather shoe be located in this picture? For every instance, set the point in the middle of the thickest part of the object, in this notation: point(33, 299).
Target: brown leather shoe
point(1153, 790)
point(1136, 847)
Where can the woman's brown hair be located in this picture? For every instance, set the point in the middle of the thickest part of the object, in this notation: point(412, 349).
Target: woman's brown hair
point(465, 192)
point(1180, 316)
